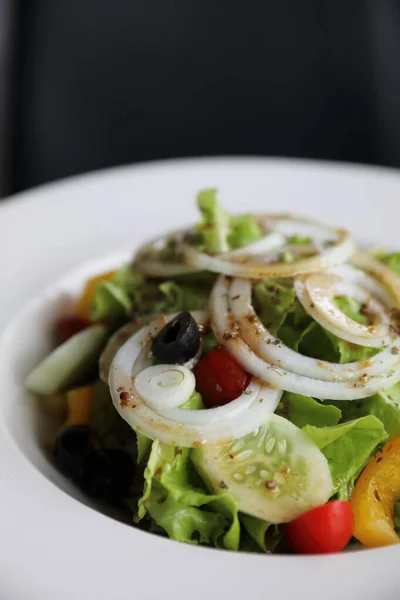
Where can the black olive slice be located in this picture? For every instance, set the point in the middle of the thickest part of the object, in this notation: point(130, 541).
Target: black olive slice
point(178, 341)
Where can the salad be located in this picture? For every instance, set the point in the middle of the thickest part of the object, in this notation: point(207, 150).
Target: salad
point(236, 385)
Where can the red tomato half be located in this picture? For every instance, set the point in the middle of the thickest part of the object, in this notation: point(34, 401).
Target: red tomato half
point(324, 529)
point(69, 325)
point(219, 378)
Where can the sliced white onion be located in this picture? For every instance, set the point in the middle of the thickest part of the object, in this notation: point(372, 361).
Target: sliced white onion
point(274, 351)
point(365, 281)
point(117, 340)
point(147, 264)
point(145, 357)
point(220, 413)
point(165, 386)
point(382, 273)
point(227, 332)
point(265, 244)
point(212, 426)
point(316, 293)
point(340, 251)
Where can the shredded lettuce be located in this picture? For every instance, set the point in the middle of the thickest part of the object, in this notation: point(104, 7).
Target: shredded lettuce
point(219, 231)
point(347, 446)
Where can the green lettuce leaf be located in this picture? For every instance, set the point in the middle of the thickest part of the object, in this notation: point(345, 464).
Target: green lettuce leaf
point(175, 498)
point(170, 252)
point(195, 402)
point(273, 302)
point(114, 298)
point(299, 240)
point(244, 231)
point(128, 291)
point(143, 446)
point(351, 352)
point(177, 501)
point(303, 410)
point(347, 446)
point(111, 301)
point(266, 535)
point(321, 344)
point(210, 342)
point(219, 231)
point(178, 298)
point(280, 311)
point(215, 226)
point(385, 406)
point(127, 278)
point(393, 262)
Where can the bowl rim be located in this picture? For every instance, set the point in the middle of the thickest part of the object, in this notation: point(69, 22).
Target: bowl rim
point(146, 548)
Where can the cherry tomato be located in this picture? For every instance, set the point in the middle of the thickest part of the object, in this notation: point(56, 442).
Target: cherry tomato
point(324, 529)
point(219, 378)
point(69, 325)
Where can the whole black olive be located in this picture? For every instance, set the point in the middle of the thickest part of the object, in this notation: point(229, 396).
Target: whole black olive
point(178, 341)
point(72, 444)
point(107, 474)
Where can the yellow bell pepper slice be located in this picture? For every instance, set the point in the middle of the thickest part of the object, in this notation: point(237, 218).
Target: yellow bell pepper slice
point(75, 406)
point(79, 403)
point(85, 302)
point(374, 496)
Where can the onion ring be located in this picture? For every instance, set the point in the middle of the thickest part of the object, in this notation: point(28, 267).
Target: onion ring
point(151, 266)
point(316, 293)
point(227, 332)
point(340, 251)
point(380, 271)
point(274, 351)
point(194, 428)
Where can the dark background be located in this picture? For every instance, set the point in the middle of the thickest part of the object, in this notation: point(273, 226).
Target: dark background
point(92, 83)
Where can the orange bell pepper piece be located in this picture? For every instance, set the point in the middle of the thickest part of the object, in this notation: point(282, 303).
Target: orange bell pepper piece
point(75, 405)
point(374, 496)
point(85, 302)
point(79, 403)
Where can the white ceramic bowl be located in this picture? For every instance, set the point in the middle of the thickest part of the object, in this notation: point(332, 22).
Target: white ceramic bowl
point(54, 544)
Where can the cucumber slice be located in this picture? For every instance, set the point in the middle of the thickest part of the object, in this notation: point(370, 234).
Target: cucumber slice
point(275, 473)
point(67, 363)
